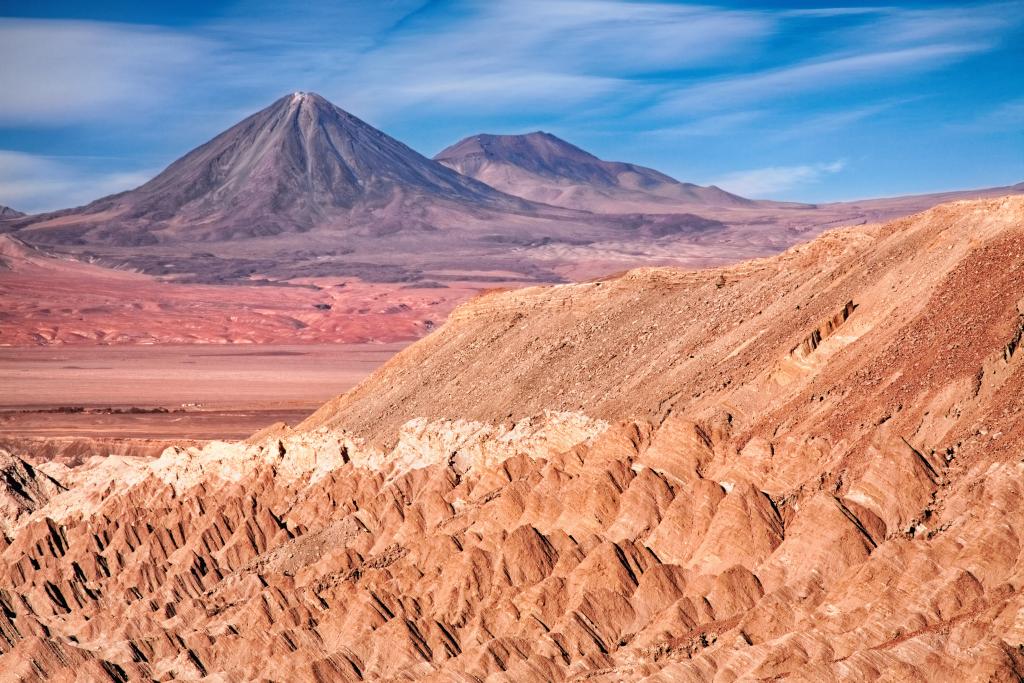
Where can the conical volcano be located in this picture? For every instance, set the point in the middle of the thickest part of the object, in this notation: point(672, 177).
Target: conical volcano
point(300, 164)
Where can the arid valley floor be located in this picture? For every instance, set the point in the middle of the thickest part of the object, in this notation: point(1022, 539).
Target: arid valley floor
point(61, 402)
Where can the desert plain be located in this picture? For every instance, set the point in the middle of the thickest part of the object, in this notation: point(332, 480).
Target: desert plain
point(62, 400)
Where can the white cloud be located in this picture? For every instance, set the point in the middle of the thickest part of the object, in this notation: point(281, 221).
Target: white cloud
point(484, 91)
point(1009, 115)
point(835, 120)
point(770, 181)
point(33, 183)
point(56, 70)
point(830, 12)
point(617, 37)
point(536, 55)
point(936, 24)
point(539, 58)
point(883, 43)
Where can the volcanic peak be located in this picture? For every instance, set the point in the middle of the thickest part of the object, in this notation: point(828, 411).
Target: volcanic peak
point(542, 167)
point(299, 164)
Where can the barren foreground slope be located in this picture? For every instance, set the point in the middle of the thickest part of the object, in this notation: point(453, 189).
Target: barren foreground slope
point(805, 466)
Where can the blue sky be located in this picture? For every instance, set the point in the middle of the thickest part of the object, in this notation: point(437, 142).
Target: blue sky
point(804, 101)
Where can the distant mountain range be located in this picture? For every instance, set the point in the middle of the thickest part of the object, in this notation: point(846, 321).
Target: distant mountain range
point(7, 213)
point(305, 189)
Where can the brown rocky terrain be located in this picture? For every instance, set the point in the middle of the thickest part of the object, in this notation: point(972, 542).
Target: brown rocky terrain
point(68, 403)
point(803, 467)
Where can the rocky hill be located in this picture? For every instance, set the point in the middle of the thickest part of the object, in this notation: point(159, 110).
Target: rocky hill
point(806, 466)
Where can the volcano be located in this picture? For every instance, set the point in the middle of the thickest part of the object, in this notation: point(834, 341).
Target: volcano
point(298, 165)
point(545, 168)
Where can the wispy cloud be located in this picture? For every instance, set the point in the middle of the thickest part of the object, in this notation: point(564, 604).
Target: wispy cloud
point(33, 183)
point(773, 180)
point(540, 57)
point(882, 44)
point(900, 26)
point(1008, 116)
point(56, 71)
point(830, 12)
point(707, 126)
point(816, 75)
point(545, 55)
point(835, 120)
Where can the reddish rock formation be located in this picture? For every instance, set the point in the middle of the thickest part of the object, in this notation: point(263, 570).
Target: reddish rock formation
point(647, 478)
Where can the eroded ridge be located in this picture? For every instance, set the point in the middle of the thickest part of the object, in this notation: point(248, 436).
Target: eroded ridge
point(823, 331)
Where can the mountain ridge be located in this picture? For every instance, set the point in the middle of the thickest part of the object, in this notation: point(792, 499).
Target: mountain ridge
point(543, 167)
point(302, 189)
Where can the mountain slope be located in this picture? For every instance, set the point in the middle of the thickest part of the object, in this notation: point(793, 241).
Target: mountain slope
point(544, 168)
point(304, 190)
point(628, 348)
point(803, 467)
point(7, 213)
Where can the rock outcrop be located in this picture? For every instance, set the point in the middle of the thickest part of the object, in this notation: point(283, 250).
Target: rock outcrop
point(652, 478)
